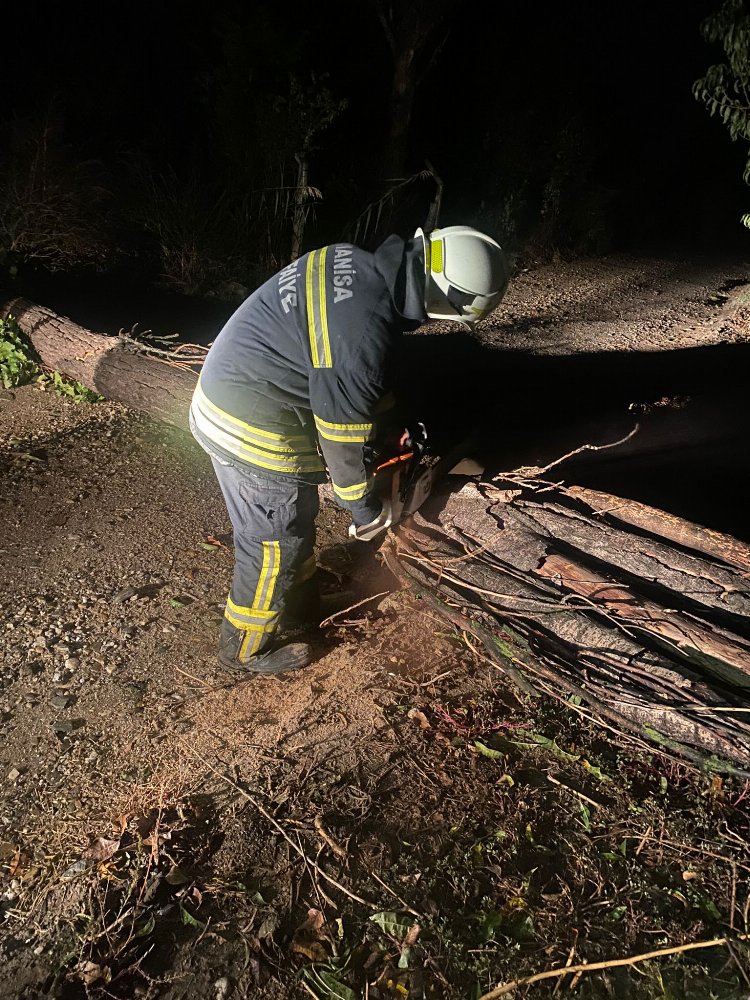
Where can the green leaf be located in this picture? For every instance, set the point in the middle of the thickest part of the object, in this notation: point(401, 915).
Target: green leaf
point(487, 751)
point(618, 913)
point(393, 924)
point(551, 745)
point(403, 960)
point(209, 547)
point(187, 918)
point(707, 906)
point(596, 771)
point(325, 985)
point(585, 816)
point(146, 927)
point(489, 923)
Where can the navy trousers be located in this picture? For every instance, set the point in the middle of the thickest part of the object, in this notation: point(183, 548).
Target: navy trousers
point(273, 517)
point(273, 522)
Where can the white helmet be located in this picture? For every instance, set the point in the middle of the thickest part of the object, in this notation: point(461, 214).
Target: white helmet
point(466, 274)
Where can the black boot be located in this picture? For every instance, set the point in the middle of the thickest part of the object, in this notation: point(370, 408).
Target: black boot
point(278, 659)
point(302, 607)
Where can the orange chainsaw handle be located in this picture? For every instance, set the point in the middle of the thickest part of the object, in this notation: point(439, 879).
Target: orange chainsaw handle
point(396, 460)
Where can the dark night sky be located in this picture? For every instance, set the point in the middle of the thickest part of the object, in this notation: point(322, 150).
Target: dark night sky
point(510, 80)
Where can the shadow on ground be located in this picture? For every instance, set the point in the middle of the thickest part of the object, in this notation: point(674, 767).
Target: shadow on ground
point(690, 455)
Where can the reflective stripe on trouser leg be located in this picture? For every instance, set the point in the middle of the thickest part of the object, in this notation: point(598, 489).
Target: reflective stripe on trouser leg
point(274, 534)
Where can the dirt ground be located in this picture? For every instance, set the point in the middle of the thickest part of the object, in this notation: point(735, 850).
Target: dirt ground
point(395, 820)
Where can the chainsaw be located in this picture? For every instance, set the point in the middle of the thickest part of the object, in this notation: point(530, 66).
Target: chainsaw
point(405, 480)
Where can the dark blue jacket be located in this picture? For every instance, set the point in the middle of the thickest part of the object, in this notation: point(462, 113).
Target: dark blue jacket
point(300, 377)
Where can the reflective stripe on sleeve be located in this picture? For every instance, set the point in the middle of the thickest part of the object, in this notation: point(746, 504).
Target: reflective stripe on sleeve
point(317, 311)
point(346, 433)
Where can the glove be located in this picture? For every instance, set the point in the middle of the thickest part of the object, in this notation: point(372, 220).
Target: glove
point(366, 532)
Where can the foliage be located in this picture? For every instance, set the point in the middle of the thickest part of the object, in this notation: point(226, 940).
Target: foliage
point(725, 89)
point(193, 229)
point(221, 240)
point(50, 199)
point(269, 110)
point(19, 365)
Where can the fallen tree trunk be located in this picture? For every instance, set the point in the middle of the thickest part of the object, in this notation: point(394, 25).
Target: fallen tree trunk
point(639, 614)
point(653, 636)
point(145, 378)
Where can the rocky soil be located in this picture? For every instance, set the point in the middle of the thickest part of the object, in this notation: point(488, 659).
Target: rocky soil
point(394, 821)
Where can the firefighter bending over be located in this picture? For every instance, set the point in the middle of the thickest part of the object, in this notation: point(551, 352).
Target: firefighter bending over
point(298, 382)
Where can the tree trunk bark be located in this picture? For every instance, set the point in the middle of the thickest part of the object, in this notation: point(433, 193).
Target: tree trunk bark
point(402, 103)
point(643, 629)
point(107, 364)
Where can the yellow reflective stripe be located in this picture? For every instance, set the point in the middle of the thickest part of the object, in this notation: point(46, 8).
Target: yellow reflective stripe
point(268, 439)
point(346, 433)
point(248, 612)
point(311, 310)
point(249, 645)
point(342, 427)
point(255, 629)
point(317, 313)
point(260, 588)
point(355, 492)
point(436, 255)
point(275, 567)
point(324, 310)
point(274, 574)
point(275, 462)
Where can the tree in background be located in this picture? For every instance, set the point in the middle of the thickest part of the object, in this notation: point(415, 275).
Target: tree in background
point(725, 89)
point(50, 199)
point(415, 32)
point(269, 109)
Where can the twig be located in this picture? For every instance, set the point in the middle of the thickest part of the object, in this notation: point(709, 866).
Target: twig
point(506, 668)
point(337, 849)
point(192, 678)
point(395, 895)
point(533, 470)
point(296, 847)
point(591, 802)
point(319, 890)
point(569, 962)
point(434, 680)
point(337, 614)
point(280, 829)
point(505, 988)
point(740, 965)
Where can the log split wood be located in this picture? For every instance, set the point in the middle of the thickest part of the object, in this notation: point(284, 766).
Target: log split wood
point(653, 633)
point(641, 615)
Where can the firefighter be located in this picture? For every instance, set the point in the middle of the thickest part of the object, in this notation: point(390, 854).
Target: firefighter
point(297, 382)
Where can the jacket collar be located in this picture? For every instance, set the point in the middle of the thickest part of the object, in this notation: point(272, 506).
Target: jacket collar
point(401, 264)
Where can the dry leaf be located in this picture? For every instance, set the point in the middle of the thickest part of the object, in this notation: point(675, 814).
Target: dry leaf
point(90, 973)
point(101, 849)
point(411, 938)
point(313, 950)
point(420, 717)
